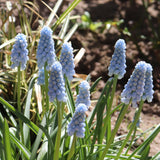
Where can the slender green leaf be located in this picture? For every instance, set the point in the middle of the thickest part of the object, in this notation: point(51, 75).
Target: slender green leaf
point(53, 13)
point(71, 32)
point(149, 139)
point(155, 157)
point(142, 147)
point(70, 101)
point(93, 113)
point(21, 146)
point(7, 145)
point(43, 150)
point(37, 141)
point(26, 129)
point(144, 154)
point(95, 84)
point(64, 14)
point(7, 43)
point(64, 27)
point(34, 127)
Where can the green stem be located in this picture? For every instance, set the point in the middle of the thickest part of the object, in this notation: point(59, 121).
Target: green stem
point(118, 122)
point(131, 129)
point(46, 87)
point(43, 100)
point(18, 101)
point(134, 133)
point(60, 109)
point(113, 90)
point(71, 153)
point(107, 119)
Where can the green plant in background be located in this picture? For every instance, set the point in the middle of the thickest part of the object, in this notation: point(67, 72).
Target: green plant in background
point(87, 23)
point(60, 129)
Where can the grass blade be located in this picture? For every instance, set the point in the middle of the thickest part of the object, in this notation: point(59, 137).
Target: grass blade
point(53, 13)
point(64, 14)
point(26, 129)
point(34, 127)
point(7, 145)
point(7, 43)
point(64, 28)
point(71, 32)
point(37, 141)
point(107, 86)
point(19, 145)
point(95, 84)
point(70, 101)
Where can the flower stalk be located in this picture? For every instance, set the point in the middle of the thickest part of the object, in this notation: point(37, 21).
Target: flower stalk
point(72, 150)
point(118, 122)
point(46, 87)
point(60, 109)
point(131, 129)
point(18, 101)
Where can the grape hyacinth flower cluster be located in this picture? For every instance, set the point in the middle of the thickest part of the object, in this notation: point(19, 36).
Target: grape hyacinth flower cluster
point(45, 51)
point(41, 77)
point(19, 54)
point(56, 83)
point(84, 94)
point(135, 87)
point(66, 60)
point(77, 124)
point(148, 88)
point(118, 62)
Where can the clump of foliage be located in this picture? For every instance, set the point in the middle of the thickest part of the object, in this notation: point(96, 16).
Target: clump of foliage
point(45, 118)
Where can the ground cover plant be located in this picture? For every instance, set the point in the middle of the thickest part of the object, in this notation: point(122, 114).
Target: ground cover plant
point(44, 106)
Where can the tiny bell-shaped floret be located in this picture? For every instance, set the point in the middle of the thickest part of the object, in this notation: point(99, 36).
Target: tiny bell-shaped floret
point(77, 124)
point(19, 54)
point(45, 51)
point(84, 94)
point(56, 83)
point(41, 77)
point(118, 61)
point(148, 88)
point(66, 60)
point(135, 86)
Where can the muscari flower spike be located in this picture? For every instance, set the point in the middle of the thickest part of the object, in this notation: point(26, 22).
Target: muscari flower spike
point(148, 88)
point(134, 88)
point(77, 124)
point(66, 60)
point(84, 94)
point(118, 62)
point(56, 83)
point(41, 77)
point(45, 51)
point(19, 54)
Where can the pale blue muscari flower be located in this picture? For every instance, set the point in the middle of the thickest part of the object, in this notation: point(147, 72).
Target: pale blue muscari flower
point(118, 62)
point(56, 83)
point(19, 54)
point(45, 51)
point(41, 77)
point(77, 124)
point(135, 86)
point(148, 88)
point(84, 94)
point(66, 60)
